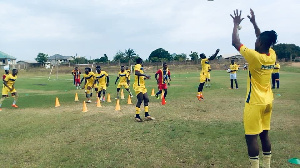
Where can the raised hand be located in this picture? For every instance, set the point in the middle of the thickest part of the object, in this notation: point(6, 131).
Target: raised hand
point(252, 17)
point(237, 17)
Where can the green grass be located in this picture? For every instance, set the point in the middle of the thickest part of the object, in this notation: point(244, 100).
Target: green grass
point(186, 132)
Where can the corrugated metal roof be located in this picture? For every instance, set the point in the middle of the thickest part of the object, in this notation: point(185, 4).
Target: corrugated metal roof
point(4, 56)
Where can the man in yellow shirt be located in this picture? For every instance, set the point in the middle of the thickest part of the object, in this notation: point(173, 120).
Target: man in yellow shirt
point(259, 97)
point(233, 68)
point(128, 71)
point(204, 72)
point(89, 78)
point(275, 75)
point(101, 81)
point(141, 91)
point(9, 86)
point(123, 76)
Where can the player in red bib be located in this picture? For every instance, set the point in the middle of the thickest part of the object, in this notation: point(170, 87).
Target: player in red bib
point(164, 78)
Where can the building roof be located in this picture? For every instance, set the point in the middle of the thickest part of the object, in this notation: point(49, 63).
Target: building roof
point(6, 56)
point(28, 61)
point(60, 57)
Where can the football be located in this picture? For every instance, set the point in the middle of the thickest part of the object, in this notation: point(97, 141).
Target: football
point(228, 70)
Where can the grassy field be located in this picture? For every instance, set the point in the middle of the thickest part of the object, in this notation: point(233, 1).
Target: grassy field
point(186, 132)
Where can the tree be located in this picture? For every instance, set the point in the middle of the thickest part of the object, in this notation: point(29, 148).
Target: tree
point(103, 59)
point(194, 56)
point(286, 51)
point(160, 54)
point(42, 58)
point(180, 57)
point(129, 55)
point(119, 57)
point(80, 60)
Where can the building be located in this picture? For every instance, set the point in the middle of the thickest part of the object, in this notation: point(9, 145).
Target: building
point(59, 59)
point(6, 60)
point(26, 64)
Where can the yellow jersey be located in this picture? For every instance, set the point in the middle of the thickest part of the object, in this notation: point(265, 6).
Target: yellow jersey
point(90, 77)
point(208, 68)
point(10, 79)
point(276, 70)
point(101, 77)
point(234, 67)
point(139, 80)
point(204, 64)
point(123, 76)
point(128, 71)
point(260, 69)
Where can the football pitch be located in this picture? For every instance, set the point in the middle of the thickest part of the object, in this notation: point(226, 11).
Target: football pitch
point(186, 132)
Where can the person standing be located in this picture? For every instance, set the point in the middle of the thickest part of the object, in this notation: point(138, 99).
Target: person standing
point(275, 75)
point(102, 78)
point(204, 72)
point(128, 79)
point(89, 78)
point(259, 97)
point(9, 86)
point(164, 78)
point(233, 69)
point(76, 73)
point(141, 91)
point(6, 72)
point(123, 76)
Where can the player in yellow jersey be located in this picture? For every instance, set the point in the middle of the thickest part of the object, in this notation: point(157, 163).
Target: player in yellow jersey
point(275, 75)
point(5, 74)
point(207, 81)
point(102, 79)
point(204, 72)
point(141, 91)
point(128, 71)
point(9, 86)
point(123, 76)
point(259, 97)
point(233, 68)
point(89, 78)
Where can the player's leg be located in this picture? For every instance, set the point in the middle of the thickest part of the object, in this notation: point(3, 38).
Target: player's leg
point(266, 148)
point(277, 80)
point(97, 92)
point(140, 98)
point(118, 92)
point(165, 93)
point(128, 90)
point(103, 96)
point(273, 80)
point(159, 91)
point(15, 96)
point(231, 83)
point(253, 150)
point(203, 77)
point(4, 95)
point(208, 82)
point(146, 107)
point(236, 84)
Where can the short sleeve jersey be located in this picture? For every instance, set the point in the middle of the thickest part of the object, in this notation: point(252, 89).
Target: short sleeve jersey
point(260, 69)
point(139, 80)
point(101, 77)
point(234, 67)
point(76, 74)
point(276, 70)
point(90, 77)
point(10, 79)
point(204, 64)
point(123, 76)
point(163, 75)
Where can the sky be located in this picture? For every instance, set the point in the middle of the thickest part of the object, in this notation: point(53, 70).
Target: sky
point(92, 28)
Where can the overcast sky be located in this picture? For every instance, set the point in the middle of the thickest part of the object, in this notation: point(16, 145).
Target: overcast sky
point(92, 28)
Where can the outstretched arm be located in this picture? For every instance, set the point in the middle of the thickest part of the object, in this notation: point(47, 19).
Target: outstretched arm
point(214, 55)
point(236, 22)
point(252, 20)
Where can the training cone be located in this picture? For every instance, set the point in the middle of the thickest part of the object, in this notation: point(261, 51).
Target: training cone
point(84, 108)
point(57, 102)
point(122, 94)
point(163, 101)
point(98, 102)
point(76, 97)
point(108, 98)
point(118, 108)
point(129, 100)
point(152, 93)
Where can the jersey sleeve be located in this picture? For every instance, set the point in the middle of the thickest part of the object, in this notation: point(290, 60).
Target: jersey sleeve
point(250, 55)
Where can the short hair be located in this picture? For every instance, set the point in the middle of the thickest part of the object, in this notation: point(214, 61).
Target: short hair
point(139, 60)
point(164, 63)
point(202, 55)
point(97, 67)
point(268, 38)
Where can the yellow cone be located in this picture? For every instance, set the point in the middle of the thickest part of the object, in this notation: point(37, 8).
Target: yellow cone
point(129, 100)
point(84, 108)
point(76, 97)
point(152, 93)
point(108, 97)
point(122, 94)
point(57, 104)
point(118, 108)
point(98, 102)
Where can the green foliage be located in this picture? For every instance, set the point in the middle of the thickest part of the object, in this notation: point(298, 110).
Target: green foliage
point(42, 58)
point(180, 57)
point(130, 55)
point(80, 60)
point(160, 55)
point(103, 59)
point(194, 56)
point(287, 51)
point(120, 56)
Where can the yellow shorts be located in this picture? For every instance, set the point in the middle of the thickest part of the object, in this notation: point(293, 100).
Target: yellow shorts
point(257, 118)
point(5, 91)
point(140, 89)
point(88, 91)
point(203, 76)
point(123, 84)
point(101, 87)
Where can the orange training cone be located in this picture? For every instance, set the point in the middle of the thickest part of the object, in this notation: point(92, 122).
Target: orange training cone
point(163, 101)
point(57, 102)
point(152, 93)
point(108, 98)
point(122, 94)
point(84, 108)
point(118, 108)
point(76, 97)
point(98, 102)
point(129, 100)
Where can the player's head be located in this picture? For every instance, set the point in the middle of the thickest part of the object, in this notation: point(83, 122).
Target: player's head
point(122, 68)
point(98, 69)
point(87, 70)
point(14, 72)
point(232, 61)
point(6, 71)
point(265, 40)
point(127, 68)
point(202, 56)
point(76, 68)
point(165, 65)
point(139, 60)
